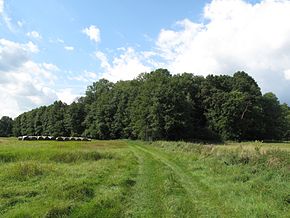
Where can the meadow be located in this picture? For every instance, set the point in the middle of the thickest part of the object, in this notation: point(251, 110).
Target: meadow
point(124, 178)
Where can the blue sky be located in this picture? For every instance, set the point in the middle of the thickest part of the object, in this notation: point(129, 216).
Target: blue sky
point(51, 50)
point(122, 23)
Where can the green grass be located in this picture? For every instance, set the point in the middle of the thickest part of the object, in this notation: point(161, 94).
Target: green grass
point(137, 179)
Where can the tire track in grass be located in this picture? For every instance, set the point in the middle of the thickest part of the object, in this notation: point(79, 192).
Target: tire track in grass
point(205, 200)
point(158, 191)
point(146, 200)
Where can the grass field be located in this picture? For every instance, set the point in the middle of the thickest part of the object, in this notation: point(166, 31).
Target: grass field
point(137, 179)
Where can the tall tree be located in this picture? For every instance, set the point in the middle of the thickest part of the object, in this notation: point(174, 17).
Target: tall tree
point(74, 118)
point(158, 105)
point(6, 125)
point(232, 106)
point(285, 122)
point(272, 117)
point(56, 124)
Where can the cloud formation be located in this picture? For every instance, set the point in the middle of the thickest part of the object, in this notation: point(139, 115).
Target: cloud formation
point(69, 48)
point(93, 33)
point(67, 95)
point(234, 35)
point(34, 34)
point(127, 66)
point(24, 84)
point(6, 19)
point(1, 6)
point(86, 77)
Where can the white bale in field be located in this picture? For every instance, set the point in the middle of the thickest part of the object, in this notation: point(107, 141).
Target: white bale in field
point(51, 138)
point(59, 139)
point(72, 138)
point(32, 137)
point(29, 137)
point(65, 138)
point(25, 137)
point(45, 137)
point(39, 138)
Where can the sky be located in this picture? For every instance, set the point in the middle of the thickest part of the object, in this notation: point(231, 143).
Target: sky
point(52, 50)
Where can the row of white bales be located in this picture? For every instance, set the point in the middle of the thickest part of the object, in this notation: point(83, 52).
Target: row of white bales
point(59, 138)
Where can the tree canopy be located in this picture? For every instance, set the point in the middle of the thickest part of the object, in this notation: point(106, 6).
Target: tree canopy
point(6, 126)
point(161, 106)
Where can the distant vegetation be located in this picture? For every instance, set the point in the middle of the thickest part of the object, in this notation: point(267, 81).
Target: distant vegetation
point(161, 106)
point(6, 124)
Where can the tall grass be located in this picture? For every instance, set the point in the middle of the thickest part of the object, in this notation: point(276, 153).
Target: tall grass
point(138, 179)
point(252, 180)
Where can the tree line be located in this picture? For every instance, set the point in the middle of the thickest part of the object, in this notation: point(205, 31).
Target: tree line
point(161, 106)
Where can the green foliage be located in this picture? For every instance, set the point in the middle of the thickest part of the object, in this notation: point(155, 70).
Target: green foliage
point(273, 117)
point(285, 122)
point(6, 125)
point(232, 106)
point(161, 106)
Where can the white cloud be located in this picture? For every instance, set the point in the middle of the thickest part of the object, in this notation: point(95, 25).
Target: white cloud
point(8, 22)
point(34, 34)
point(1, 6)
point(32, 47)
point(60, 40)
point(287, 74)
point(91, 75)
point(13, 55)
point(20, 23)
point(103, 59)
point(127, 66)
point(50, 67)
point(25, 84)
point(236, 36)
point(62, 43)
point(67, 95)
point(86, 77)
point(57, 40)
point(69, 48)
point(93, 33)
point(6, 18)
